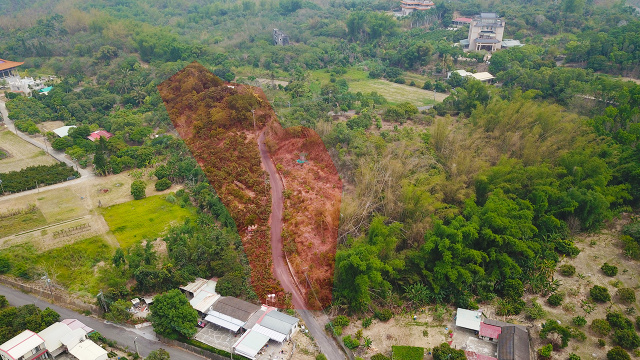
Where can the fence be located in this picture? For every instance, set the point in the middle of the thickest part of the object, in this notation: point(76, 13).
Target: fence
point(193, 349)
point(54, 298)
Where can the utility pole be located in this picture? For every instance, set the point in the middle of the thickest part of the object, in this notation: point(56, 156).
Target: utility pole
point(136, 345)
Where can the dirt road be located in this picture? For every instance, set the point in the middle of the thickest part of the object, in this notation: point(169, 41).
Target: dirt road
point(280, 269)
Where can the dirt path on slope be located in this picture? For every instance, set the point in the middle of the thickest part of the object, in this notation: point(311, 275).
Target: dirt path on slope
point(280, 269)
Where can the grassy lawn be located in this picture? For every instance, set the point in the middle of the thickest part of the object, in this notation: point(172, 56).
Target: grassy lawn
point(359, 81)
point(21, 154)
point(407, 353)
point(148, 218)
point(23, 222)
point(71, 266)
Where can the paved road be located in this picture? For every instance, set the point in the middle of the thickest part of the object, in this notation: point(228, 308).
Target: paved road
point(123, 335)
point(280, 268)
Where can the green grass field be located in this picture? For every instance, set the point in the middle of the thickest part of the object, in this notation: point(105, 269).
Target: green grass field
point(407, 352)
point(71, 266)
point(359, 81)
point(19, 223)
point(20, 153)
point(148, 218)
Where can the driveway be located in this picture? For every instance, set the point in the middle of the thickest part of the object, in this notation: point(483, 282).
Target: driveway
point(124, 336)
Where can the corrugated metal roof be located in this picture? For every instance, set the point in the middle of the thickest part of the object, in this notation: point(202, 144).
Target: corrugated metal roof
point(194, 286)
point(21, 344)
point(250, 344)
point(203, 301)
point(253, 319)
point(502, 323)
point(469, 319)
point(225, 321)
point(88, 350)
point(291, 320)
point(483, 76)
point(234, 307)
point(490, 331)
point(272, 334)
point(513, 344)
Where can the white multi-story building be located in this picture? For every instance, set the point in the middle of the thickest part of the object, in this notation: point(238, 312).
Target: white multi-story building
point(25, 346)
point(485, 32)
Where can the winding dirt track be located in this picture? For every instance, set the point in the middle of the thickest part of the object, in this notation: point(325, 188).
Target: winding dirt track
point(280, 269)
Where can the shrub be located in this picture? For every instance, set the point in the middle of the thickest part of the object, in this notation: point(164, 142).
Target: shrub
point(366, 322)
point(579, 321)
point(619, 321)
point(577, 334)
point(341, 320)
point(321, 357)
point(632, 230)
point(163, 184)
point(535, 311)
point(383, 315)
point(609, 270)
point(567, 270)
point(510, 307)
point(601, 343)
point(601, 327)
point(138, 189)
point(627, 339)
point(573, 356)
point(627, 295)
point(617, 353)
point(555, 299)
point(600, 293)
point(545, 351)
point(350, 342)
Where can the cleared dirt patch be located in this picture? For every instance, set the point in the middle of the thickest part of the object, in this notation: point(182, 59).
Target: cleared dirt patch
point(49, 126)
point(21, 153)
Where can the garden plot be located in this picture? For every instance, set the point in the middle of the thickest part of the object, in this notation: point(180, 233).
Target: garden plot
point(21, 154)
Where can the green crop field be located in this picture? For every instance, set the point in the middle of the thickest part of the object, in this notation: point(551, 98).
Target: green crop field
point(71, 266)
point(148, 218)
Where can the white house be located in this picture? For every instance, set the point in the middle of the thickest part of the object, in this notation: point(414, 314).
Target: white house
point(25, 346)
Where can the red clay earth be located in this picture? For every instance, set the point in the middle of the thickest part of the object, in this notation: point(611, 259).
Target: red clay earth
point(312, 193)
point(216, 123)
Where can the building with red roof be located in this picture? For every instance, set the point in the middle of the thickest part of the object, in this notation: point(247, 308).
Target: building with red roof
point(7, 67)
point(409, 6)
point(96, 135)
point(489, 332)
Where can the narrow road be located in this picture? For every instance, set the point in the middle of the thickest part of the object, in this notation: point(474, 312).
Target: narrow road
point(125, 336)
point(280, 268)
point(58, 155)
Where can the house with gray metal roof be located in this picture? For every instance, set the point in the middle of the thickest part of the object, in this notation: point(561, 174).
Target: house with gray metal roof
point(513, 344)
point(277, 326)
point(250, 344)
point(231, 313)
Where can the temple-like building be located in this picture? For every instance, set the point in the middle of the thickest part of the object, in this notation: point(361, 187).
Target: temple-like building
point(409, 6)
point(7, 68)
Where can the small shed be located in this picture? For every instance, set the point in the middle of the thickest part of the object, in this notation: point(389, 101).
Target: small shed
point(63, 131)
point(483, 76)
point(250, 344)
point(469, 319)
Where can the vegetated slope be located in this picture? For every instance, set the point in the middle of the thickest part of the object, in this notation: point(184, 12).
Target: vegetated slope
point(216, 123)
point(311, 213)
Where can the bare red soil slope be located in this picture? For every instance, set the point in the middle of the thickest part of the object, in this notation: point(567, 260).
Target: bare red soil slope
point(215, 121)
point(312, 194)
